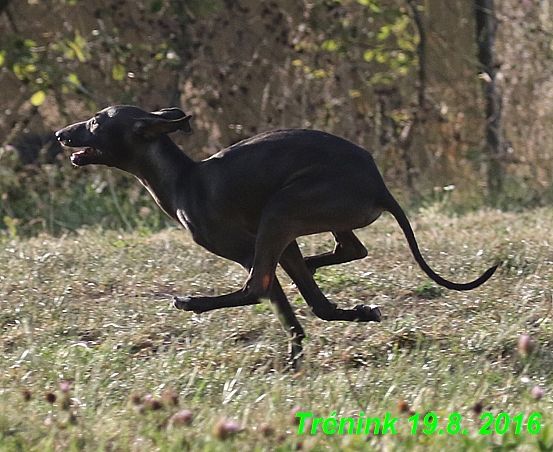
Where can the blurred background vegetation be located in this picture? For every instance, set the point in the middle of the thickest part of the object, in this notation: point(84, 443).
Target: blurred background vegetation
point(453, 98)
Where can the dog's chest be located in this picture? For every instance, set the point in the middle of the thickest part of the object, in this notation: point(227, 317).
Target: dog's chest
point(204, 232)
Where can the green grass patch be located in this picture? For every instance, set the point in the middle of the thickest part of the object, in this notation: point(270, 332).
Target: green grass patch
point(94, 358)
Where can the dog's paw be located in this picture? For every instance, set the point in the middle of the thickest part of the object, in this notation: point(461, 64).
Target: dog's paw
point(370, 313)
point(182, 303)
point(186, 304)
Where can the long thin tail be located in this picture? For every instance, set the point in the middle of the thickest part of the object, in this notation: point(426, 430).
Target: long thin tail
point(395, 209)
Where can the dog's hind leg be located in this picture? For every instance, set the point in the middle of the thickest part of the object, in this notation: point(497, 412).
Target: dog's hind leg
point(294, 264)
point(348, 248)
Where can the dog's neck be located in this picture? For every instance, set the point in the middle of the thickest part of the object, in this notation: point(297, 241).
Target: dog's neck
point(160, 169)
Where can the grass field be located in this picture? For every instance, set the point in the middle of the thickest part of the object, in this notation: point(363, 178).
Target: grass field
point(94, 358)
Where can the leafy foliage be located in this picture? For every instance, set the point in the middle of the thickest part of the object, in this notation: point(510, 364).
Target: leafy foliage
point(349, 67)
point(390, 38)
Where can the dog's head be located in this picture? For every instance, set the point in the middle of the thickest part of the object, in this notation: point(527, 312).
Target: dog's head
point(114, 135)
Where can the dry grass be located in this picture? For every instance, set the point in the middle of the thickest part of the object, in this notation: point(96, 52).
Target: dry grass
point(93, 309)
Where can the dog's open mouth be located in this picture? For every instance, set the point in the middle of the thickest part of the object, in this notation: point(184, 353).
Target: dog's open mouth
point(85, 156)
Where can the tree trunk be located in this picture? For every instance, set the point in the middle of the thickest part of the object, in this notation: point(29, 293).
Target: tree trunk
point(485, 38)
point(418, 117)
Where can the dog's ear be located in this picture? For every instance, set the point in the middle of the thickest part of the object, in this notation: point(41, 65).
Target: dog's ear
point(163, 122)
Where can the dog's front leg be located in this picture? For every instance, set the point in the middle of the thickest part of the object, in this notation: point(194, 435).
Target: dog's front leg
point(204, 304)
point(289, 322)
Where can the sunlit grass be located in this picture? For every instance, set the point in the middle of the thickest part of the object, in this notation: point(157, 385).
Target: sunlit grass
point(93, 309)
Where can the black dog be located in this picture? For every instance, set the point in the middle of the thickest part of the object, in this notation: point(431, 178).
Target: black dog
point(250, 202)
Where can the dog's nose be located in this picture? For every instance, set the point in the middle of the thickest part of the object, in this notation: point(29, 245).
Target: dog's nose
point(61, 136)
